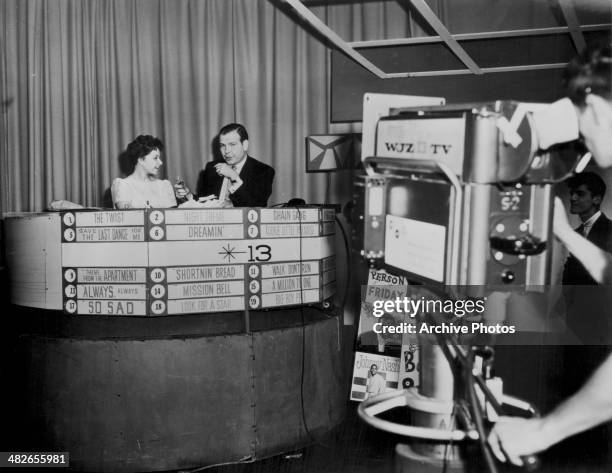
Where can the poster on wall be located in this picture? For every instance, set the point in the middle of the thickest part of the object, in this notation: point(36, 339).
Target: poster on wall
point(373, 374)
point(374, 334)
point(382, 330)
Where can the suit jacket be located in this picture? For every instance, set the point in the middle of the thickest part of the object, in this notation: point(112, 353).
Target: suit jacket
point(587, 311)
point(256, 185)
point(574, 272)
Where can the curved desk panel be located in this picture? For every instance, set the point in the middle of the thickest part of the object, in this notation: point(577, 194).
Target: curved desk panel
point(221, 373)
point(171, 261)
point(187, 399)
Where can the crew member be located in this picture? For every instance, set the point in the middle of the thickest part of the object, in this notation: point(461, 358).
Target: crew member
point(589, 83)
point(586, 303)
point(587, 318)
point(587, 191)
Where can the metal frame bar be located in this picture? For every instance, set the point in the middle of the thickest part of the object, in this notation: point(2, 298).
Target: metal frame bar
point(452, 41)
point(484, 70)
point(569, 13)
point(326, 31)
point(471, 36)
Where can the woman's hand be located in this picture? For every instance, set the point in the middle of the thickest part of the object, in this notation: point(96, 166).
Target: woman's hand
point(182, 192)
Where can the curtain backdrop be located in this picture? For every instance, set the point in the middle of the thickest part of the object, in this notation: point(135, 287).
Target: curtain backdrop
point(79, 79)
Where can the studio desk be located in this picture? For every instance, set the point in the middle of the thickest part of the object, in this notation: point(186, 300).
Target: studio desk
point(164, 339)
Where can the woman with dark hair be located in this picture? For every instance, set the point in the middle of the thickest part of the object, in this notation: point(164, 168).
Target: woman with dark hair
point(142, 188)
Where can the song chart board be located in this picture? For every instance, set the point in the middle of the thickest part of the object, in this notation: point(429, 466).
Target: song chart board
point(181, 261)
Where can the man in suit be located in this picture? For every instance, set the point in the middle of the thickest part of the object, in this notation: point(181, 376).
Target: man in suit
point(240, 179)
point(586, 302)
point(586, 194)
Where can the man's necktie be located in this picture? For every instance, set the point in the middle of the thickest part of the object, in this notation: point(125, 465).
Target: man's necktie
point(224, 192)
point(586, 230)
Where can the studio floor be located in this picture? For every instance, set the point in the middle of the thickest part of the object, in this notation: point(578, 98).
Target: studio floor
point(534, 373)
point(357, 448)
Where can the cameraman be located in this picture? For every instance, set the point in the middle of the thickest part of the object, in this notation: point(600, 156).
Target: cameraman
point(588, 81)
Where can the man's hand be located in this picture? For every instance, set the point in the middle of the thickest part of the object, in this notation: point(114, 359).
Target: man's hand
point(561, 223)
point(226, 170)
point(514, 437)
